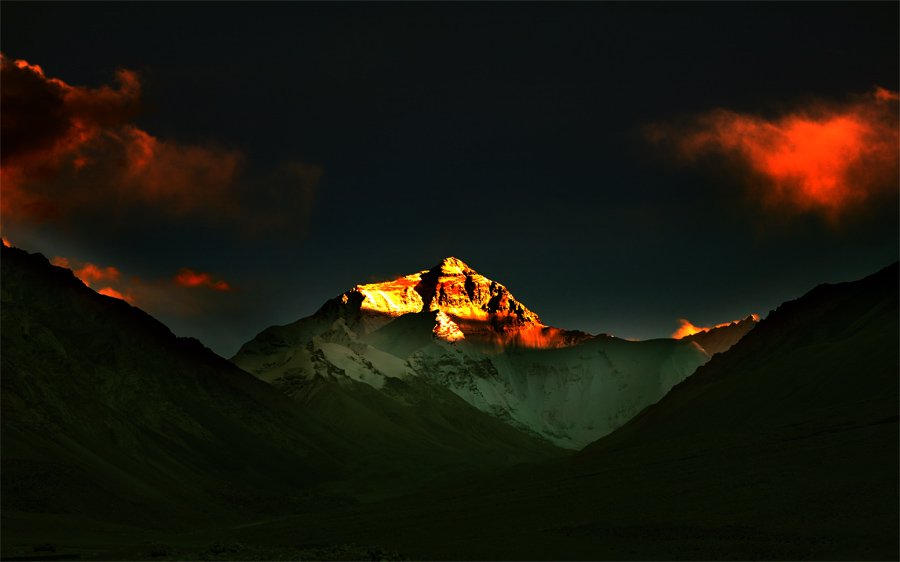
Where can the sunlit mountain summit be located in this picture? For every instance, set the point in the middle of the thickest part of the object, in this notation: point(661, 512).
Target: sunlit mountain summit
point(467, 305)
point(454, 327)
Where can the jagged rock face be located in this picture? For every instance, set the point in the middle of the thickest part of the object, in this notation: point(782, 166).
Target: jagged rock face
point(456, 289)
point(471, 305)
point(451, 287)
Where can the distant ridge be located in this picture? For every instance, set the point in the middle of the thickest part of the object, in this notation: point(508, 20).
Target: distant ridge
point(721, 338)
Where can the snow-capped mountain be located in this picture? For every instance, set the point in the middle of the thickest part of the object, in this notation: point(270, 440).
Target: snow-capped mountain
point(467, 333)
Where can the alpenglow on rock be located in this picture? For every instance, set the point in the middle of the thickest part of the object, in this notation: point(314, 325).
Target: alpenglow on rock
point(484, 311)
point(465, 332)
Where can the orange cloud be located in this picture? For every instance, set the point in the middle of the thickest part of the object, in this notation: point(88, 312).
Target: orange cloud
point(89, 274)
point(94, 273)
point(886, 95)
point(46, 124)
point(825, 158)
point(70, 152)
point(187, 278)
point(686, 329)
point(110, 292)
point(159, 296)
point(45, 118)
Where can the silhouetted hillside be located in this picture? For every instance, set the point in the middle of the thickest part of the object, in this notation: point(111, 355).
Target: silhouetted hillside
point(107, 415)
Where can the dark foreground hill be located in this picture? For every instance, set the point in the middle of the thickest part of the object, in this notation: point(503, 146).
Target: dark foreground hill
point(108, 417)
point(783, 447)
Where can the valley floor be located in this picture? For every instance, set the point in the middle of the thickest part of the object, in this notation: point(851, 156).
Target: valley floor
point(824, 493)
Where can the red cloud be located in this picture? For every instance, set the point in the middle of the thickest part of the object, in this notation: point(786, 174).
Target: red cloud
point(110, 292)
point(158, 296)
point(88, 272)
point(69, 152)
point(44, 119)
point(886, 95)
point(826, 158)
point(187, 278)
point(47, 124)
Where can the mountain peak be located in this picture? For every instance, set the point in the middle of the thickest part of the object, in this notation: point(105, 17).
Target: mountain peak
point(453, 266)
point(451, 287)
point(483, 310)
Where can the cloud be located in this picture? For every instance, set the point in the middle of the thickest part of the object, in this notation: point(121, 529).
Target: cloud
point(71, 154)
point(827, 158)
point(686, 329)
point(45, 118)
point(886, 95)
point(165, 296)
point(93, 275)
point(45, 125)
point(88, 272)
point(110, 292)
point(188, 278)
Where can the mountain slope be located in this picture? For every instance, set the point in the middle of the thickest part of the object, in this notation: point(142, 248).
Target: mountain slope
point(721, 338)
point(105, 410)
point(783, 447)
point(453, 326)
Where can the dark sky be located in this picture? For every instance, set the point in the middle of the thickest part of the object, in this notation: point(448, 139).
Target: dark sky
point(618, 166)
